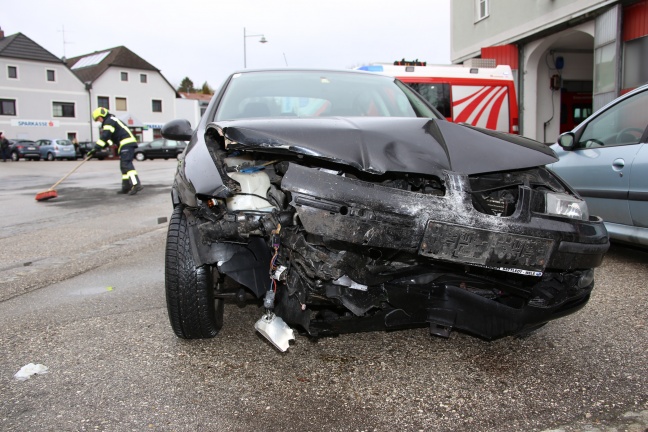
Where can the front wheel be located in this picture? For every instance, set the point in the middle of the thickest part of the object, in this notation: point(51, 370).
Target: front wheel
point(194, 313)
point(139, 156)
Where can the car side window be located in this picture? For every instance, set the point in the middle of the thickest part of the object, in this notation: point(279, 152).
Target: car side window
point(157, 143)
point(622, 124)
point(172, 143)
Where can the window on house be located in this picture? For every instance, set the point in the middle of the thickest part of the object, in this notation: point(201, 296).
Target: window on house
point(51, 75)
point(12, 72)
point(124, 76)
point(8, 107)
point(481, 9)
point(103, 101)
point(604, 68)
point(143, 78)
point(63, 109)
point(635, 69)
point(157, 105)
point(120, 104)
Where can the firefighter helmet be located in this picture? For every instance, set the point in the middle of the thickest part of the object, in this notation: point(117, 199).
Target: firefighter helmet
point(99, 112)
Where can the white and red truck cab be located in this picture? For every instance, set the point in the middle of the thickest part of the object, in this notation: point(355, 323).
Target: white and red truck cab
point(480, 96)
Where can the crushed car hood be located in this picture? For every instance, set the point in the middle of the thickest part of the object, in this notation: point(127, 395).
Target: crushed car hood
point(389, 144)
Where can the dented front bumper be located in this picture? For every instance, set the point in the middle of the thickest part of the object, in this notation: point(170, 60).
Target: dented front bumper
point(385, 258)
point(446, 228)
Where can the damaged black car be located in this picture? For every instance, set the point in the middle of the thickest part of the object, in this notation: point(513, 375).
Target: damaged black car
point(341, 201)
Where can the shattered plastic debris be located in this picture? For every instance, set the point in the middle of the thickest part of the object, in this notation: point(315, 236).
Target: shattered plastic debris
point(30, 369)
point(275, 330)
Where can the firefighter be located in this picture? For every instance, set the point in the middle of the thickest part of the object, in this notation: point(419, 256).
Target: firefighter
point(113, 129)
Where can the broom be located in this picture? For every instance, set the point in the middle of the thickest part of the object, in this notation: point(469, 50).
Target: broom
point(51, 193)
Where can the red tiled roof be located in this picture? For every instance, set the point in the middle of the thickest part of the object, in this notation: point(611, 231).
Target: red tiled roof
point(195, 96)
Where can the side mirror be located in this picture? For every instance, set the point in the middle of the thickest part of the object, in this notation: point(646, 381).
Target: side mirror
point(567, 140)
point(179, 130)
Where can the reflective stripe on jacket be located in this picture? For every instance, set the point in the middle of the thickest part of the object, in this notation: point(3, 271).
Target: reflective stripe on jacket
point(115, 130)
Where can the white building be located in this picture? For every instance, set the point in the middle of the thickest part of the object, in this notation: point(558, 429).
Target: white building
point(39, 96)
point(129, 87)
point(192, 106)
point(570, 56)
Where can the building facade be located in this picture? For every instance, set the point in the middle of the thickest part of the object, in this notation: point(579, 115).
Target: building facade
point(39, 96)
point(570, 57)
point(129, 87)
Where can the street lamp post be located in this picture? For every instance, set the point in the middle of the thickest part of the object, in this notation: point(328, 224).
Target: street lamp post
point(245, 36)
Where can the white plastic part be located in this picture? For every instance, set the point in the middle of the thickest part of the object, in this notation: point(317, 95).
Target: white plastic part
point(238, 161)
point(350, 283)
point(275, 330)
point(255, 183)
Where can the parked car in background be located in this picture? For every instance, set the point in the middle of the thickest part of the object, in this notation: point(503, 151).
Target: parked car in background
point(51, 149)
point(86, 146)
point(605, 158)
point(345, 202)
point(160, 149)
point(24, 149)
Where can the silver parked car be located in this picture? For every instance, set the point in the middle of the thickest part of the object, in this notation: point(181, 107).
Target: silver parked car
point(51, 149)
point(605, 159)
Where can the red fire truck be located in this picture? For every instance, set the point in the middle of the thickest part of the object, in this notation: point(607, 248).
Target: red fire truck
point(480, 96)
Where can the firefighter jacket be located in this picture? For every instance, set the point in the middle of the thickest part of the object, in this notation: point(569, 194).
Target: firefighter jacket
point(113, 129)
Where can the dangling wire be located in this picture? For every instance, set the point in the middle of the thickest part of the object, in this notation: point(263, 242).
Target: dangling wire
point(273, 262)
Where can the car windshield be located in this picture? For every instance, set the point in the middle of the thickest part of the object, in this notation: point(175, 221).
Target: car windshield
point(318, 94)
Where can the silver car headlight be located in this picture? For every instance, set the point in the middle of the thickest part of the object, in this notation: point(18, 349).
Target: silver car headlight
point(566, 205)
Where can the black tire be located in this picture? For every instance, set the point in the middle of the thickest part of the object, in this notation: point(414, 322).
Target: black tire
point(50, 157)
point(194, 313)
point(15, 156)
point(140, 156)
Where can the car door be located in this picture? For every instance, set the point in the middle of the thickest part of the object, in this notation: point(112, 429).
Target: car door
point(170, 149)
point(42, 148)
point(638, 196)
point(156, 149)
point(600, 165)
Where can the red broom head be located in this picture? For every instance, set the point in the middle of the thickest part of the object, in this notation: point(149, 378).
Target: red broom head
point(44, 196)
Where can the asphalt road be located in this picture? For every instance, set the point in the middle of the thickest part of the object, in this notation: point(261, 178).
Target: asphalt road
point(82, 292)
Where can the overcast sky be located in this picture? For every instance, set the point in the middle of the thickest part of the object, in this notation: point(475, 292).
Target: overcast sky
point(203, 39)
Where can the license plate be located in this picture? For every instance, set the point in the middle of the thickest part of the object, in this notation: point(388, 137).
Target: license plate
point(508, 252)
point(31, 148)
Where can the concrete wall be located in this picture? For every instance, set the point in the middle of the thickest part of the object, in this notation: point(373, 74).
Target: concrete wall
point(188, 109)
point(540, 104)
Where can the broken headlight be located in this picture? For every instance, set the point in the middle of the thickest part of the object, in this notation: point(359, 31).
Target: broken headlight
point(560, 204)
